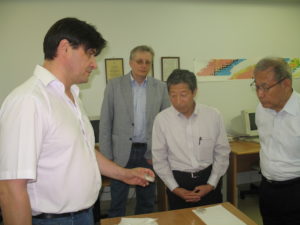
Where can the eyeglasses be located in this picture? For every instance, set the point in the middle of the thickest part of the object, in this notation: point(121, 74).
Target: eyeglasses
point(263, 87)
point(140, 62)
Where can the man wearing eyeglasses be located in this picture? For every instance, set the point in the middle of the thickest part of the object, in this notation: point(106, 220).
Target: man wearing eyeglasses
point(278, 122)
point(129, 106)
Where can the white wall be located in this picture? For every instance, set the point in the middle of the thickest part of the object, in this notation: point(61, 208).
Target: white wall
point(187, 28)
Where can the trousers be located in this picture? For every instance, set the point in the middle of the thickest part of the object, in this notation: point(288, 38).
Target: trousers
point(85, 218)
point(145, 196)
point(279, 202)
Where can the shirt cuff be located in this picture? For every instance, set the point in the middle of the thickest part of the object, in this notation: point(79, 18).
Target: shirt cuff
point(172, 185)
point(213, 180)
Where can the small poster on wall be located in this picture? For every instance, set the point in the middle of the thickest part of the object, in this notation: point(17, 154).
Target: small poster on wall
point(151, 72)
point(114, 67)
point(168, 64)
point(232, 69)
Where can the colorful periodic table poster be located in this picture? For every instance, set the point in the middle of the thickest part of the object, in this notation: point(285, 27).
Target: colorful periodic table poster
point(231, 69)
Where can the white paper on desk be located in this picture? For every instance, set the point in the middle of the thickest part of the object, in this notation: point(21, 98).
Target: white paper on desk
point(218, 215)
point(138, 221)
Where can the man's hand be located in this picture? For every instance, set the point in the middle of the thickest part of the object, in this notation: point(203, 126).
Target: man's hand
point(136, 176)
point(188, 196)
point(203, 190)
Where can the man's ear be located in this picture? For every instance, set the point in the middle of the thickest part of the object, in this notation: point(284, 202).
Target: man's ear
point(63, 47)
point(287, 83)
point(130, 63)
point(195, 92)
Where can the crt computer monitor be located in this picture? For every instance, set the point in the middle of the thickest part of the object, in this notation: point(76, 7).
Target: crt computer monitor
point(248, 118)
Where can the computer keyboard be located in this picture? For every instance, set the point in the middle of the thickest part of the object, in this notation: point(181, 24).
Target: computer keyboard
point(250, 139)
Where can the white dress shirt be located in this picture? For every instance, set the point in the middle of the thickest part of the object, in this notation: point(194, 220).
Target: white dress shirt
point(279, 135)
point(47, 139)
point(189, 144)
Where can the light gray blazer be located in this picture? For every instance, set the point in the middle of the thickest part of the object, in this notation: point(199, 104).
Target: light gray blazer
point(116, 119)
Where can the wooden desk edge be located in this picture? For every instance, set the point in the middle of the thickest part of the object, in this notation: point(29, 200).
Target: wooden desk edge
point(244, 147)
point(239, 214)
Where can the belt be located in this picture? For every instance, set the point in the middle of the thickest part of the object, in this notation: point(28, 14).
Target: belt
point(196, 174)
point(53, 216)
point(139, 145)
point(190, 174)
point(281, 183)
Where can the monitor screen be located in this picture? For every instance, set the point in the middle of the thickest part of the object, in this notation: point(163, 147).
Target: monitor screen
point(248, 118)
point(252, 121)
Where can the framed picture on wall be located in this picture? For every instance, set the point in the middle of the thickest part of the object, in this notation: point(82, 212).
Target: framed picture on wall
point(151, 72)
point(168, 64)
point(114, 67)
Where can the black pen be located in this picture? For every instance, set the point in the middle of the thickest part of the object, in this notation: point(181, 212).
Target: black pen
point(200, 138)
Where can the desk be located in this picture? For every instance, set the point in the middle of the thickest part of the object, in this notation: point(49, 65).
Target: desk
point(182, 217)
point(243, 155)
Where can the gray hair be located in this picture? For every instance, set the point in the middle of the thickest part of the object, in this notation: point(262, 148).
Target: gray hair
point(179, 76)
point(279, 66)
point(141, 48)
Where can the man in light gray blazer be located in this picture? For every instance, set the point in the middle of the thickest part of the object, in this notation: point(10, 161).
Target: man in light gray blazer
point(129, 107)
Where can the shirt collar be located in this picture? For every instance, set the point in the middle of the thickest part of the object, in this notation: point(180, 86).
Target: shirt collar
point(292, 105)
point(44, 75)
point(133, 82)
point(195, 113)
point(47, 78)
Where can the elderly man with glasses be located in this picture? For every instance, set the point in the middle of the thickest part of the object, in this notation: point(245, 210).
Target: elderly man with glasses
point(278, 122)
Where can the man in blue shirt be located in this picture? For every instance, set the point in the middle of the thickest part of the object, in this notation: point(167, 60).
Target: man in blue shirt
point(129, 106)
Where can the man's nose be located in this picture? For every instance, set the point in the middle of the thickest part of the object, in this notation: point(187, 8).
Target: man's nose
point(178, 100)
point(94, 63)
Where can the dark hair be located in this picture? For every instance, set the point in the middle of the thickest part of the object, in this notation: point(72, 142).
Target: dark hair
point(77, 32)
point(141, 48)
point(280, 67)
point(182, 76)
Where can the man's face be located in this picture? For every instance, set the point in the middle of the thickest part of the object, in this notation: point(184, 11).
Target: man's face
point(182, 98)
point(272, 97)
point(141, 64)
point(81, 64)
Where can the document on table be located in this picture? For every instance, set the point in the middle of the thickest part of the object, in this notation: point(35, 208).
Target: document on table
point(217, 215)
point(138, 221)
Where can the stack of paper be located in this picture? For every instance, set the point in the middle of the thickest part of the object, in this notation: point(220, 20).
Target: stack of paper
point(217, 215)
point(138, 221)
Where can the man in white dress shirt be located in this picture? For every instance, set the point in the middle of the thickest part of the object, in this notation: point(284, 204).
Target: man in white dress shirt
point(190, 149)
point(49, 169)
point(278, 123)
